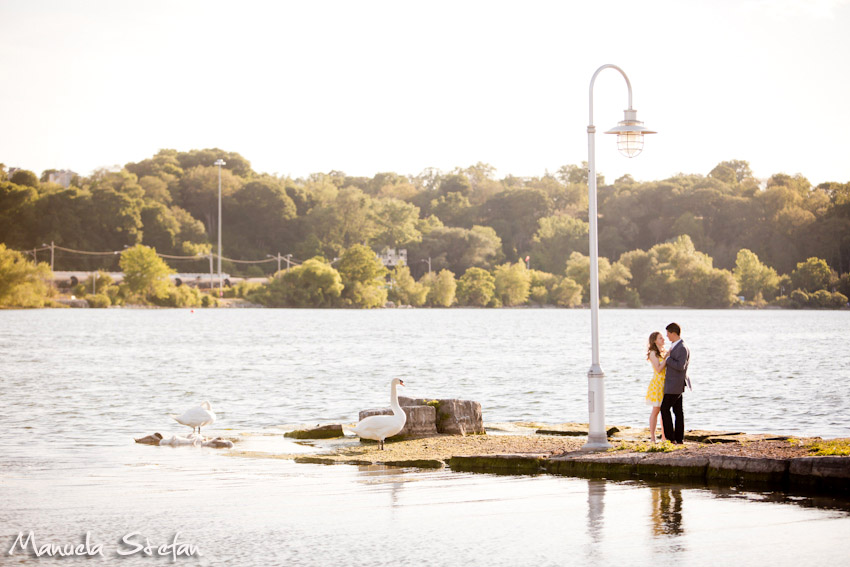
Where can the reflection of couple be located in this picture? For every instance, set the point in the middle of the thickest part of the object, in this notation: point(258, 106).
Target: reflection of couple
point(668, 383)
point(666, 511)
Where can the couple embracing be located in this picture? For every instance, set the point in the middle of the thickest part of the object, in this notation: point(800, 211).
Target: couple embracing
point(668, 384)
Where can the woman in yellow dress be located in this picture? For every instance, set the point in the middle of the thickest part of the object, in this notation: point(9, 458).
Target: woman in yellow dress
point(657, 356)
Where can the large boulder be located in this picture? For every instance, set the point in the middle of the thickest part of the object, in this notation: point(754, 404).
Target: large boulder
point(421, 420)
point(453, 417)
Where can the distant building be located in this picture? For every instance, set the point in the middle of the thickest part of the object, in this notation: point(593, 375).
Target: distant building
point(63, 177)
point(390, 257)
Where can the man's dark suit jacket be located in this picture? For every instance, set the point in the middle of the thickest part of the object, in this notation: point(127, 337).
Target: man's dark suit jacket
point(677, 369)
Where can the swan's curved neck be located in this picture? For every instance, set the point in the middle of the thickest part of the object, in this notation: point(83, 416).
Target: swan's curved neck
point(394, 400)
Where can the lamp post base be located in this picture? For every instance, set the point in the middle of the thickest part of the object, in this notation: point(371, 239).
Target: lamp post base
point(596, 443)
point(597, 437)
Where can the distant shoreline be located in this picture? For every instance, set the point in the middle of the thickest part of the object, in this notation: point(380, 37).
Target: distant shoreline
point(238, 303)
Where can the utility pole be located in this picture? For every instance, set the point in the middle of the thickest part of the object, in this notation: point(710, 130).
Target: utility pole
point(219, 163)
point(288, 259)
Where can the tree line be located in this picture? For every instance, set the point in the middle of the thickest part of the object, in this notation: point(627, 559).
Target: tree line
point(698, 240)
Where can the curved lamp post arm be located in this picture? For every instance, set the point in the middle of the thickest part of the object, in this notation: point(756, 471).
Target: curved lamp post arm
point(593, 80)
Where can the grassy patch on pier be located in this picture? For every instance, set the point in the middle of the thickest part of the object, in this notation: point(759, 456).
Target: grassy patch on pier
point(640, 447)
point(832, 447)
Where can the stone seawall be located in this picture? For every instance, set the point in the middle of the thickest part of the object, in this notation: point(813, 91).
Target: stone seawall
point(819, 474)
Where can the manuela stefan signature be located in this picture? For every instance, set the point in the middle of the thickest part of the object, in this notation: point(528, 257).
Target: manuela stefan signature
point(131, 544)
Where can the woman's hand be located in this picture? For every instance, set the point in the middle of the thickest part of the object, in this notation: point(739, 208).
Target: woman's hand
point(657, 365)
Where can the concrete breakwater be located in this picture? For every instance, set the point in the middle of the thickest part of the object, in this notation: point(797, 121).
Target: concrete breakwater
point(772, 462)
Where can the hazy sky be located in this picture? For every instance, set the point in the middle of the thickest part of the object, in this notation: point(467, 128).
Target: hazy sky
point(365, 87)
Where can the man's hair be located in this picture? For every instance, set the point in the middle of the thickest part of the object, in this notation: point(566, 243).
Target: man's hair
point(674, 328)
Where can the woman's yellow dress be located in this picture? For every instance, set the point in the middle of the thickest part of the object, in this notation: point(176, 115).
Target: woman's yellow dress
point(655, 392)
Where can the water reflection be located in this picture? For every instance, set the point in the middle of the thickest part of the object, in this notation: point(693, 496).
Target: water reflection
point(386, 476)
point(595, 509)
point(595, 519)
point(666, 511)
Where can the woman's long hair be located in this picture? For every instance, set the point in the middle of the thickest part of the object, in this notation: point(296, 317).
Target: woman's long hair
point(652, 346)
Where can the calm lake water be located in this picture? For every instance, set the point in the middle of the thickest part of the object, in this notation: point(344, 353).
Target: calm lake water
point(77, 385)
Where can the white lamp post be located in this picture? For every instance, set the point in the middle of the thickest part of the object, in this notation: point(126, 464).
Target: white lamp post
point(630, 143)
point(219, 163)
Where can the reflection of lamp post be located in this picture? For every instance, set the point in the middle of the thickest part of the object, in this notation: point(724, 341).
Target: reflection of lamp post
point(630, 143)
point(219, 163)
point(429, 263)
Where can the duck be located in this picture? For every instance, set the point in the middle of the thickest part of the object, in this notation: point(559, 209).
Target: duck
point(197, 417)
point(379, 427)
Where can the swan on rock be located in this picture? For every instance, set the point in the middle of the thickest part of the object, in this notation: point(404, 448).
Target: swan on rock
point(197, 417)
point(379, 427)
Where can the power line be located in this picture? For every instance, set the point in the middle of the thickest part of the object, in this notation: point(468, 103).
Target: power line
point(169, 256)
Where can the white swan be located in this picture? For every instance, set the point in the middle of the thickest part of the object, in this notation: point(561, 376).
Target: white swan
point(197, 417)
point(379, 427)
point(196, 441)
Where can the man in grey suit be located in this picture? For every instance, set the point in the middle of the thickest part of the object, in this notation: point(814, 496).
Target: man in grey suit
point(674, 386)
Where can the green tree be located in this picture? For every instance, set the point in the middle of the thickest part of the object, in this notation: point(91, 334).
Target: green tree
point(156, 189)
point(614, 282)
point(234, 162)
point(164, 163)
point(812, 275)
point(482, 184)
point(405, 290)
point(198, 193)
point(578, 270)
point(441, 288)
point(711, 287)
point(145, 273)
point(122, 182)
point(457, 249)
point(476, 287)
point(755, 278)
point(25, 178)
point(578, 174)
point(724, 173)
point(191, 236)
point(455, 183)
point(843, 284)
point(18, 214)
point(362, 277)
point(542, 286)
point(556, 238)
point(312, 284)
point(614, 278)
point(514, 214)
point(23, 283)
point(160, 227)
point(395, 223)
point(513, 283)
point(347, 220)
point(259, 215)
point(453, 209)
point(567, 293)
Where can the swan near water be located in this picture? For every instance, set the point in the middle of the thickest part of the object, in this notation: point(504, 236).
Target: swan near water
point(197, 417)
point(196, 441)
point(379, 427)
